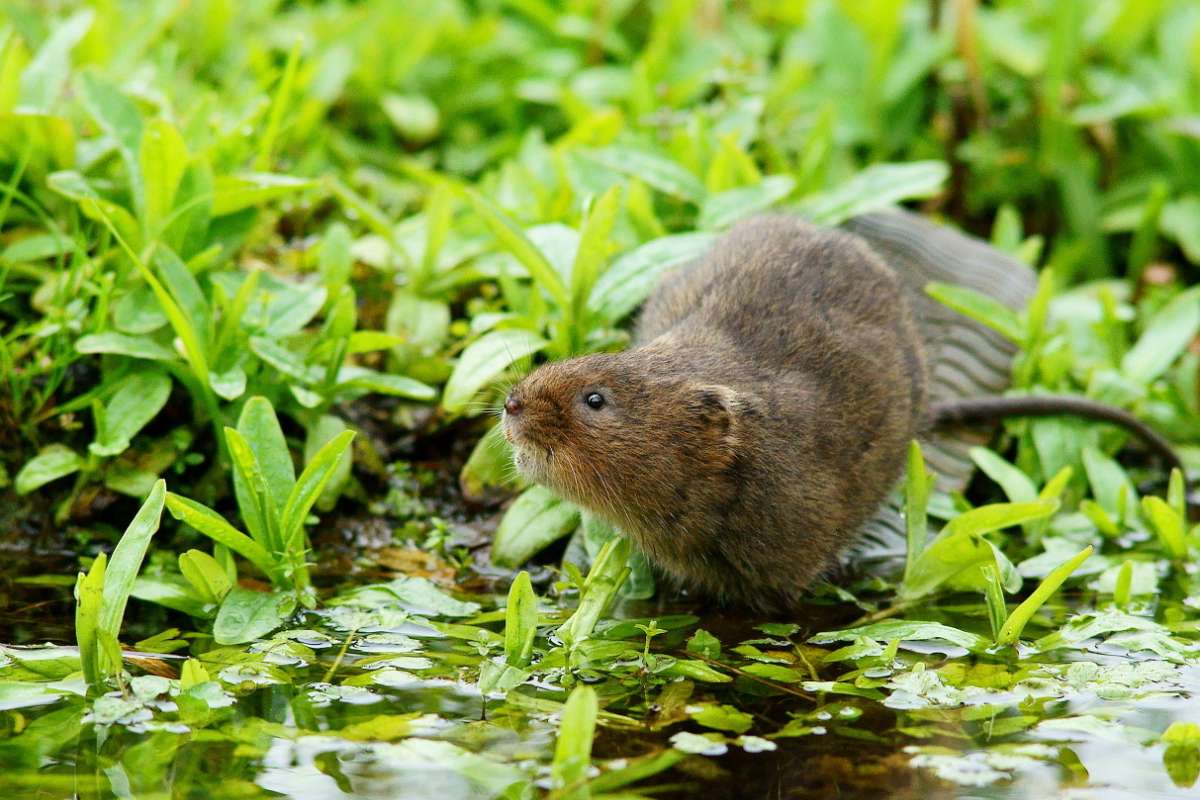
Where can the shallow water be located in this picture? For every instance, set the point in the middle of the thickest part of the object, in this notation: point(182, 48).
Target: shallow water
point(397, 714)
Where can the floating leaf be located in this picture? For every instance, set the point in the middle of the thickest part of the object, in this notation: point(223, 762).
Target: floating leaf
point(246, 615)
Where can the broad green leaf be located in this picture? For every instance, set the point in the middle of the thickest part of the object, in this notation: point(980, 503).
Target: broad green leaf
point(439, 216)
point(573, 750)
point(423, 323)
point(520, 621)
point(205, 575)
point(89, 590)
point(187, 229)
point(1124, 587)
point(138, 312)
point(52, 462)
point(116, 115)
point(256, 503)
point(1015, 483)
point(370, 341)
point(515, 241)
point(906, 631)
point(284, 360)
point(1169, 526)
point(162, 157)
point(214, 526)
point(659, 172)
point(979, 307)
point(236, 192)
point(121, 344)
point(72, 185)
point(500, 677)
point(126, 561)
point(312, 481)
point(246, 615)
point(1020, 616)
point(483, 361)
point(697, 671)
point(1108, 481)
point(43, 78)
point(137, 400)
point(875, 188)
point(996, 516)
point(186, 292)
point(720, 211)
point(633, 276)
point(1180, 220)
point(959, 552)
point(418, 596)
point(721, 717)
point(1167, 336)
point(537, 518)
point(360, 379)
point(1181, 753)
point(174, 594)
point(23, 694)
point(260, 427)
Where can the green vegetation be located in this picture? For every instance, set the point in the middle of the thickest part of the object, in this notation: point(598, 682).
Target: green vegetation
point(268, 266)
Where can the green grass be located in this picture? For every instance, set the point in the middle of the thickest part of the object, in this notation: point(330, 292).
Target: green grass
point(235, 236)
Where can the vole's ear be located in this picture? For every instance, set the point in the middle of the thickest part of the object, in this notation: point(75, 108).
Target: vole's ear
point(716, 413)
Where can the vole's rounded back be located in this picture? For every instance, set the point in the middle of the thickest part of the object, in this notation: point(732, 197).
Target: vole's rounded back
point(761, 418)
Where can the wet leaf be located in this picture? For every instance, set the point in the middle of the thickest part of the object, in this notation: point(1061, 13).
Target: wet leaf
point(246, 615)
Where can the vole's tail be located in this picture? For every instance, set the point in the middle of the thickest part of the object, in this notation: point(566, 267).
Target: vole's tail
point(991, 409)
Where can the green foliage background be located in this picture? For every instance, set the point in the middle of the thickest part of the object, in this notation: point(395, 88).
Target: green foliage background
point(327, 204)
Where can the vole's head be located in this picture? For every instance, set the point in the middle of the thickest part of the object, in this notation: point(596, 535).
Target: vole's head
point(618, 433)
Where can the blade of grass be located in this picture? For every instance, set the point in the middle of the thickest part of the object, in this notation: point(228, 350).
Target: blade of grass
point(513, 239)
point(1021, 615)
point(214, 526)
point(308, 488)
point(993, 594)
point(126, 560)
point(1168, 525)
point(590, 258)
point(282, 96)
point(916, 499)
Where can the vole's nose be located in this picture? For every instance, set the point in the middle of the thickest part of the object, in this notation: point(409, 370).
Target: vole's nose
point(512, 405)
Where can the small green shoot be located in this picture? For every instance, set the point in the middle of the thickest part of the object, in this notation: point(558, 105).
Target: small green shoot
point(1020, 616)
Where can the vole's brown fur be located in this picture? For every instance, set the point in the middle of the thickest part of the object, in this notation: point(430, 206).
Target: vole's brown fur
point(760, 419)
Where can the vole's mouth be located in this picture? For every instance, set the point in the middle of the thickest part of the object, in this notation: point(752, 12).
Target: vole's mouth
point(531, 458)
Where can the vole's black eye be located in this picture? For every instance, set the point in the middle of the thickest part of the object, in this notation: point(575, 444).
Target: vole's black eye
point(594, 400)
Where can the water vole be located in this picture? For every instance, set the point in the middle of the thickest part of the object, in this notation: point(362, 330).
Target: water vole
point(761, 418)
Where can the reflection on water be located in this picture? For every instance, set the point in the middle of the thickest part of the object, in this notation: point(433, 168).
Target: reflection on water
point(391, 710)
